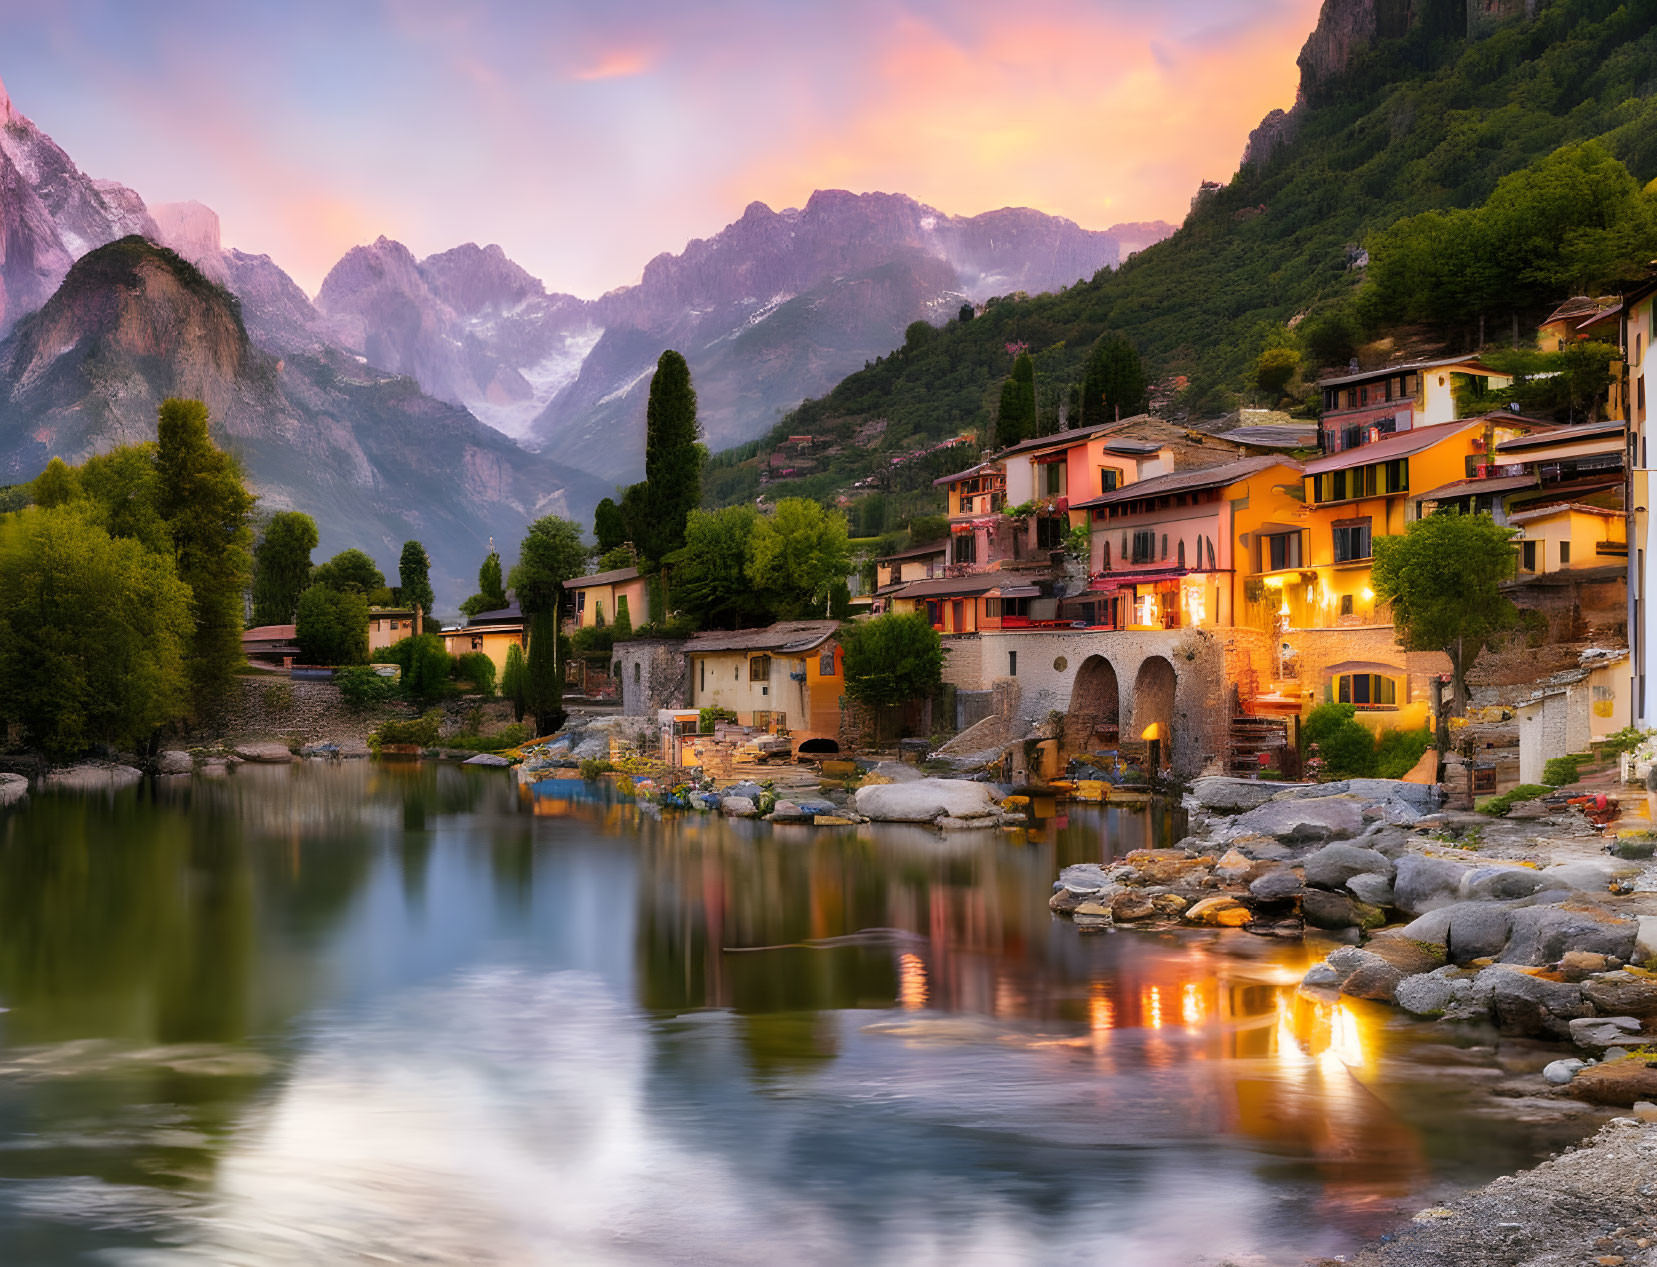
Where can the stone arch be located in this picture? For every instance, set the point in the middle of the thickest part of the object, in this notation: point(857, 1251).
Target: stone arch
point(1095, 707)
point(1153, 705)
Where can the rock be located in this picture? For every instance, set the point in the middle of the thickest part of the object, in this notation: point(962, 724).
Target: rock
point(1374, 978)
point(1559, 1072)
point(1633, 847)
point(1534, 1006)
point(93, 776)
point(1424, 884)
point(323, 749)
point(174, 761)
point(924, 800)
point(1622, 993)
point(1322, 976)
point(1467, 930)
point(1323, 909)
point(1305, 820)
point(264, 752)
point(1588, 875)
point(753, 791)
point(818, 807)
point(831, 820)
point(789, 812)
point(1223, 795)
point(1371, 887)
point(1169, 904)
point(1575, 965)
point(1645, 941)
point(1220, 912)
point(493, 760)
point(1599, 1033)
point(213, 770)
point(1165, 866)
point(1065, 901)
point(1092, 907)
point(1234, 866)
point(1498, 883)
point(1428, 993)
point(1542, 934)
point(897, 772)
point(739, 807)
point(1622, 1083)
point(1084, 877)
point(1278, 885)
point(1129, 906)
point(13, 788)
point(1336, 863)
point(950, 823)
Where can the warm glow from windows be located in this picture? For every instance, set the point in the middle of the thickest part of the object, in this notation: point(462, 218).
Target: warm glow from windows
point(912, 987)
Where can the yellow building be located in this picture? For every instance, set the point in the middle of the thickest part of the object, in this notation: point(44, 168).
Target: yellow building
point(492, 633)
point(1568, 535)
point(387, 625)
point(785, 678)
point(598, 598)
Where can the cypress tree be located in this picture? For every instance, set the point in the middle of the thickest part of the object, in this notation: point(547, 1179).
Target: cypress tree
point(673, 457)
point(209, 513)
point(609, 526)
point(543, 686)
point(414, 577)
point(1016, 419)
point(1114, 383)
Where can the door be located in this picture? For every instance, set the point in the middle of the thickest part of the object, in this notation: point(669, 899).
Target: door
point(958, 613)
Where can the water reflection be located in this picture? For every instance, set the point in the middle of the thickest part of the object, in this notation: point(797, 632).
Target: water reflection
point(326, 1013)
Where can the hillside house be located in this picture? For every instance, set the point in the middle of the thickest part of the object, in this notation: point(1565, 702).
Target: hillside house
point(491, 632)
point(1362, 408)
point(785, 678)
point(594, 600)
point(387, 625)
point(1638, 326)
point(917, 563)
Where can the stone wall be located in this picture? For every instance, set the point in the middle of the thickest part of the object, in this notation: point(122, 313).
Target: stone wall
point(1316, 649)
point(275, 707)
point(654, 674)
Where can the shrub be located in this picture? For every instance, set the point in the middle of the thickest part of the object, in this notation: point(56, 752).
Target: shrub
point(1558, 771)
point(421, 730)
point(1397, 751)
point(1625, 740)
point(593, 641)
point(478, 669)
point(1346, 746)
point(515, 681)
point(360, 688)
point(710, 717)
point(595, 766)
point(426, 674)
point(510, 737)
point(1499, 805)
point(331, 626)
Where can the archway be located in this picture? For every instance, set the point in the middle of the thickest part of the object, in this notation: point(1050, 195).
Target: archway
point(1095, 707)
point(1153, 707)
point(819, 748)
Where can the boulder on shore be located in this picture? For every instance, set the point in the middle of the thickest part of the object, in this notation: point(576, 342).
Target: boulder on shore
point(265, 752)
point(1425, 884)
point(13, 788)
point(1300, 821)
point(491, 759)
point(1222, 794)
point(1535, 1007)
point(1542, 934)
point(925, 801)
point(174, 761)
point(1339, 861)
point(1467, 930)
point(93, 776)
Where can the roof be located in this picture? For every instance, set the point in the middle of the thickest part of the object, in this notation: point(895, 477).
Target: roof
point(788, 636)
point(1360, 666)
point(1141, 448)
point(269, 633)
point(612, 577)
point(1564, 435)
point(966, 474)
point(1274, 435)
point(1470, 488)
point(916, 552)
point(1184, 481)
point(1579, 306)
point(952, 586)
point(1556, 508)
point(1059, 439)
point(1401, 444)
point(502, 615)
point(1387, 371)
point(381, 612)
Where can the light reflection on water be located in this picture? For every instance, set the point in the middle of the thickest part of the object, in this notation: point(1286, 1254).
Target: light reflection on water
point(365, 1013)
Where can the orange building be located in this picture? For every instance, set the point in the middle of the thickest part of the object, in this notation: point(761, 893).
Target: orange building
point(785, 678)
point(597, 599)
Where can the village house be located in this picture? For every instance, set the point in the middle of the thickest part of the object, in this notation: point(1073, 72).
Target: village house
point(491, 632)
point(1365, 407)
point(387, 625)
point(1638, 325)
point(597, 599)
point(917, 563)
point(785, 678)
point(1580, 319)
point(270, 645)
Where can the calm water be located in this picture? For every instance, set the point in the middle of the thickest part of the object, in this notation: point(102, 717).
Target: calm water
point(411, 1014)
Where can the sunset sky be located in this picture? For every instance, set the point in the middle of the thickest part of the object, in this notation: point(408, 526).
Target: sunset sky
point(586, 139)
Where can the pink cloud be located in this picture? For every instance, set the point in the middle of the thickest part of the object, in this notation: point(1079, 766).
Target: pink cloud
point(620, 63)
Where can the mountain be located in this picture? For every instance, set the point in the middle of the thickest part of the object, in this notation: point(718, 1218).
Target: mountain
point(775, 307)
point(1402, 108)
point(51, 213)
point(374, 459)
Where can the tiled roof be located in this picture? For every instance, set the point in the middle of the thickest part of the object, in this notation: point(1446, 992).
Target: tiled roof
point(1555, 508)
point(915, 552)
point(1401, 444)
point(1185, 481)
point(269, 633)
point(966, 474)
point(1564, 435)
point(612, 577)
point(956, 586)
point(1387, 371)
point(1469, 488)
point(503, 615)
point(789, 636)
point(1274, 436)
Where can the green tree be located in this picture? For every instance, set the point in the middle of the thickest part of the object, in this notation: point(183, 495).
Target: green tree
point(710, 574)
point(550, 554)
point(965, 314)
point(208, 512)
point(491, 595)
point(94, 632)
point(426, 669)
point(609, 526)
point(331, 626)
point(635, 512)
point(1113, 383)
point(1016, 418)
point(515, 681)
point(1442, 578)
point(543, 674)
point(892, 659)
point(282, 567)
point(797, 555)
point(477, 668)
point(124, 487)
point(673, 457)
point(1345, 744)
point(58, 485)
point(925, 528)
point(350, 571)
point(414, 577)
point(1273, 370)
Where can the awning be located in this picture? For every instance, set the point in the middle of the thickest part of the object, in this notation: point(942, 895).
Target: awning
point(1363, 666)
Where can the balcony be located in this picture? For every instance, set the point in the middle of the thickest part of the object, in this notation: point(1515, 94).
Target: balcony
point(1617, 549)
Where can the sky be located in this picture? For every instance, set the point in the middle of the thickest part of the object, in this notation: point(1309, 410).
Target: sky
point(588, 138)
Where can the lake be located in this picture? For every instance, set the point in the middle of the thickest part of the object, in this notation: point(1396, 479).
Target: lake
point(364, 1012)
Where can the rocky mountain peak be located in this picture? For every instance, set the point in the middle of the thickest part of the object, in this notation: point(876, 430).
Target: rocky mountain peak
point(7, 111)
point(193, 231)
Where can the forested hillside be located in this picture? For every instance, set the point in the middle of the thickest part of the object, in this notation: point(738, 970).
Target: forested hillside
point(1432, 119)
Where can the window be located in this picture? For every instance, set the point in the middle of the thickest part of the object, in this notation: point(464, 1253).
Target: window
point(1051, 530)
point(762, 719)
point(1398, 476)
point(1104, 562)
point(1282, 551)
point(1527, 556)
point(1367, 690)
point(759, 669)
point(1352, 542)
point(1144, 547)
point(580, 601)
point(637, 672)
point(701, 675)
point(1052, 479)
point(1182, 554)
point(1351, 437)
point(1337, 487)
point(1012, 664)
point(897, 574)
point(825, 663)
point(1564, 553)
point(1164, 553)
point(964, 549)
point(934, 612)
point(1110, 479)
